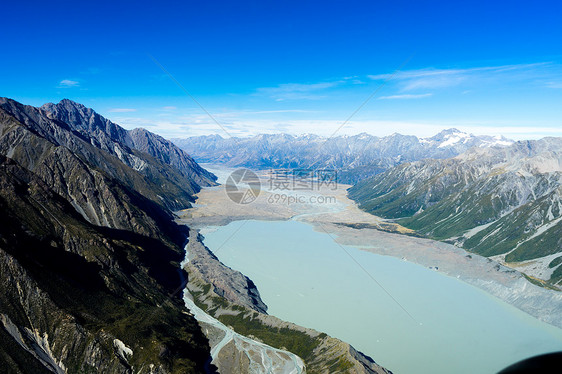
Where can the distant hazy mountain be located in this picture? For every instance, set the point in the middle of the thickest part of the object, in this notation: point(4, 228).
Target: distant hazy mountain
point(503, 202)
point(354, 157)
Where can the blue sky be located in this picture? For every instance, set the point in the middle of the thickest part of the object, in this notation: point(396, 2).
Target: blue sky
point(293, 66)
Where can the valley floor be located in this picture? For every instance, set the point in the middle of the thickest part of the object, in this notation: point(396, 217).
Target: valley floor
point(330, 211)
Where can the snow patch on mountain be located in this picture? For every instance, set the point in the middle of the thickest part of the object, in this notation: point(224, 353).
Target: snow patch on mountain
point(123, 351)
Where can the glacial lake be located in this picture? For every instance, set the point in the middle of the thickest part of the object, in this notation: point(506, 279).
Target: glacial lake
point(431, 323)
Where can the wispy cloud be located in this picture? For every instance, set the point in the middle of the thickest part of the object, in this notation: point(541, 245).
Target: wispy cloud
point(431, 78)
point(122, 110)
point(273, 111)
point(354, 79)
point(170, 108)
point(554, 84)
point(405, 96)
point(298, 91)
point(67, 83)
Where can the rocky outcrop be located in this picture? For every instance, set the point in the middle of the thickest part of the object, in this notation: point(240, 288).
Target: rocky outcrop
point(29, 135)
point(99, 198)
point(43, 336)
point(169, 153)
point(227, 283)
point(101, 186)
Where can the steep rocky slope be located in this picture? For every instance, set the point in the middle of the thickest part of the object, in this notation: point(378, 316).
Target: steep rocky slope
point(114, 139)
point(503, 202)
point(77, 297)
point(354, 157)
point(89, 253)
point(31, 134)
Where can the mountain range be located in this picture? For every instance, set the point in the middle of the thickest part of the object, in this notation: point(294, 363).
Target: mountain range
point(489, 195)
point(91, 255)
point(503, 203)
point(353, 157)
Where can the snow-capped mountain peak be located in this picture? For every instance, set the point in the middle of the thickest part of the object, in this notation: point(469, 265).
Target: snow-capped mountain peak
point(453, 138)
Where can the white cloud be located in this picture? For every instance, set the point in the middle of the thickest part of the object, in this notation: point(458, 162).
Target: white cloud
point(122, 110)
point(431, 78)
point(169, 108)
point(297, 91)
point(67, 83)
point(405, 96)
point(250, 112)
point(554, 84)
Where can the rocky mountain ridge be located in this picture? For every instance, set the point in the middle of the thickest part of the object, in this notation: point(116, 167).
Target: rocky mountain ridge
point(499, 202)
point(114, 139)
point(89, 251)
point(354, 157)
point(72, 290)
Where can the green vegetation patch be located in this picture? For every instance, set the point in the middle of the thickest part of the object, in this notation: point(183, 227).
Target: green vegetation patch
point(555, 262)
point(540, 283)
point(556, 276)
point(297, 342)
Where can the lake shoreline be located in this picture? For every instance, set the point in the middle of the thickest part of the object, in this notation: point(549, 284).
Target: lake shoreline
point(391, 309)
point(214, 208)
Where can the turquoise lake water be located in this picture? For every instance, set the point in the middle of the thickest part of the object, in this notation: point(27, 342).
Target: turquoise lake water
point(437, 324)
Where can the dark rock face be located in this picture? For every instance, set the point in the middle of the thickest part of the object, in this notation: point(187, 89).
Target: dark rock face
point(88, 123)
point(89, 252)
point(40, 143)
point(169, 153)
